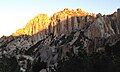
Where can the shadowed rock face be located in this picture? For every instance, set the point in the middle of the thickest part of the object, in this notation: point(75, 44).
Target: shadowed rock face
point(44, 41)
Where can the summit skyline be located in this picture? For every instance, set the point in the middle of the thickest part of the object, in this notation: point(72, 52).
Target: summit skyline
point(15, 14)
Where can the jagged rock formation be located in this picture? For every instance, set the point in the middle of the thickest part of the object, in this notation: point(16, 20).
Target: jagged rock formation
point(45, 41)
point(60, 22)
point(39, 23)
point(66, 21)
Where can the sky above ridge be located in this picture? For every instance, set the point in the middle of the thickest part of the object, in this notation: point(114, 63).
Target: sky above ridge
point(15, 14)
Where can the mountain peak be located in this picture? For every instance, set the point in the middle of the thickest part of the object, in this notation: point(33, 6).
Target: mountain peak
point(35, 25)
point(42, 21)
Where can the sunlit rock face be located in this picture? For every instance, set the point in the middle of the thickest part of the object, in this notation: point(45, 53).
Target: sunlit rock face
point(61, 22)
point(64, 22)
point(39, 23)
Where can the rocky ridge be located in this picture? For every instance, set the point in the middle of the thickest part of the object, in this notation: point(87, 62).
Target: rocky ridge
point(45, 41)
point(44, 24)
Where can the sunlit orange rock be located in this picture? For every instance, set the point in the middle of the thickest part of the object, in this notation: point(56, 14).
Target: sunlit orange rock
point(61, 22)
point(39, 23)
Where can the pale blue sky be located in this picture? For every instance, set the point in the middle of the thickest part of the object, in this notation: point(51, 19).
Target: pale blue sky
point(15, 14)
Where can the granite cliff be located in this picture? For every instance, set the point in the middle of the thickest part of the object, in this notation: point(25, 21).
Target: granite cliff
point(45, 41)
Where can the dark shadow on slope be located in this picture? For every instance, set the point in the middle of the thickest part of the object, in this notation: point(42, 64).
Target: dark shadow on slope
point(56, 31)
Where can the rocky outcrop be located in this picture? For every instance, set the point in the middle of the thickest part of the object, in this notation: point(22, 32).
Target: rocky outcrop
point(60, 23)
point(65, 21)
point(37, 24)
point(45, 41)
